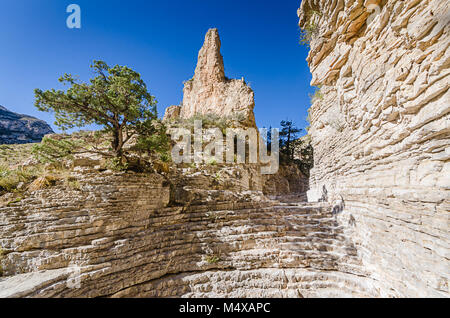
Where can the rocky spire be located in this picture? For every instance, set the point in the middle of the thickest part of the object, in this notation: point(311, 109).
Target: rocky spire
point(210, 61)
point(210, 92)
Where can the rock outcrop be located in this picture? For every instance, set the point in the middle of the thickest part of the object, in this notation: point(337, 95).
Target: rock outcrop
point(211, 92)
point(138, 235)
point(21, 129)
point(381, 135)
point(172, 113)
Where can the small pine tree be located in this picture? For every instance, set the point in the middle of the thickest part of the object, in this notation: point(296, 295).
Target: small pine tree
point(288, 134)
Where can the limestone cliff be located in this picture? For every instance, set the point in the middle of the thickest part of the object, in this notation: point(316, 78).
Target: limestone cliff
point(381, 135)
point(211, 92)
point(20, 129)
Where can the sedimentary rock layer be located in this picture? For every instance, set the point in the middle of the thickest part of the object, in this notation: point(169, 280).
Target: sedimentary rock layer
point(381, 135)
point(135, 235)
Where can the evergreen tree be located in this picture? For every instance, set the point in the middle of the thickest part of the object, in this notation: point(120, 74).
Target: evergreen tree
point(116, 99)
point(288, 134)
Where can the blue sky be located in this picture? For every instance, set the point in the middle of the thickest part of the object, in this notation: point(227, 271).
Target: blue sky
point(160, 40)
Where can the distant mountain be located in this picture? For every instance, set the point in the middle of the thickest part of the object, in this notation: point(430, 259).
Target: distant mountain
point(21, 129)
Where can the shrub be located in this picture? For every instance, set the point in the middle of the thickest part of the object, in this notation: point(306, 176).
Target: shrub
point(51, 150)
point(165, 157)
point(318, 95)
point(217, 177)
point(212, 162)
point(73, 183)
point(9, 182)
point(11, 178)
point(307, 33)
point(212, 259)
point(153, 139)
point(116, 164)
point(310, 30)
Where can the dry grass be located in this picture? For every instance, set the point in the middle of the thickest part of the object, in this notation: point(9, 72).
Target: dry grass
point(15, 177)
point(11, 179)
point(13, 155)
point(42, 183)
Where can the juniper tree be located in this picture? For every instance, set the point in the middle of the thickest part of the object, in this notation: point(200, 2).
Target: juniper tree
point(116, 99)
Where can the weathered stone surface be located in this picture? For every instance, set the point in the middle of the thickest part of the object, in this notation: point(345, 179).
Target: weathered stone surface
point(381, 139)
point(287, 181)
point(123, 235)
point(172, 112)
point(381, 133)
point(211, 92)
point(21, 129)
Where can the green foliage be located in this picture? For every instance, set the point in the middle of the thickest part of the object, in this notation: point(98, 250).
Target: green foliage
point(217, 177)
point(296, 150)
point(52, 150)
point(11, 178)
point(212, 162)
point(318, 95)
point(15, 154)
point(153, 138)
point(288, 134)
point(165, 157)
point(116, 164)
point(116, 99)
point(307, 33)
point(212, 259)
point(310, 30)
point(72, 183)
point(315, 12)
point(16, 200)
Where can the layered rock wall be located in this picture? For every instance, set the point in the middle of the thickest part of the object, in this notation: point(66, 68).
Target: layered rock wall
point(138, 235)
point(381, 135)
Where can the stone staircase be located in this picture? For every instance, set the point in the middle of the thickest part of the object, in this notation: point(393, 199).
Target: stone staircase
point(126, 243)
point(285, 250)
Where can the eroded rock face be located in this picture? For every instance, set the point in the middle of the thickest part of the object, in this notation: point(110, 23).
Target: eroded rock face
point(380, 131)
point(172, 112)
point(21, 129)
point(134, 235)
point(211, 92)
